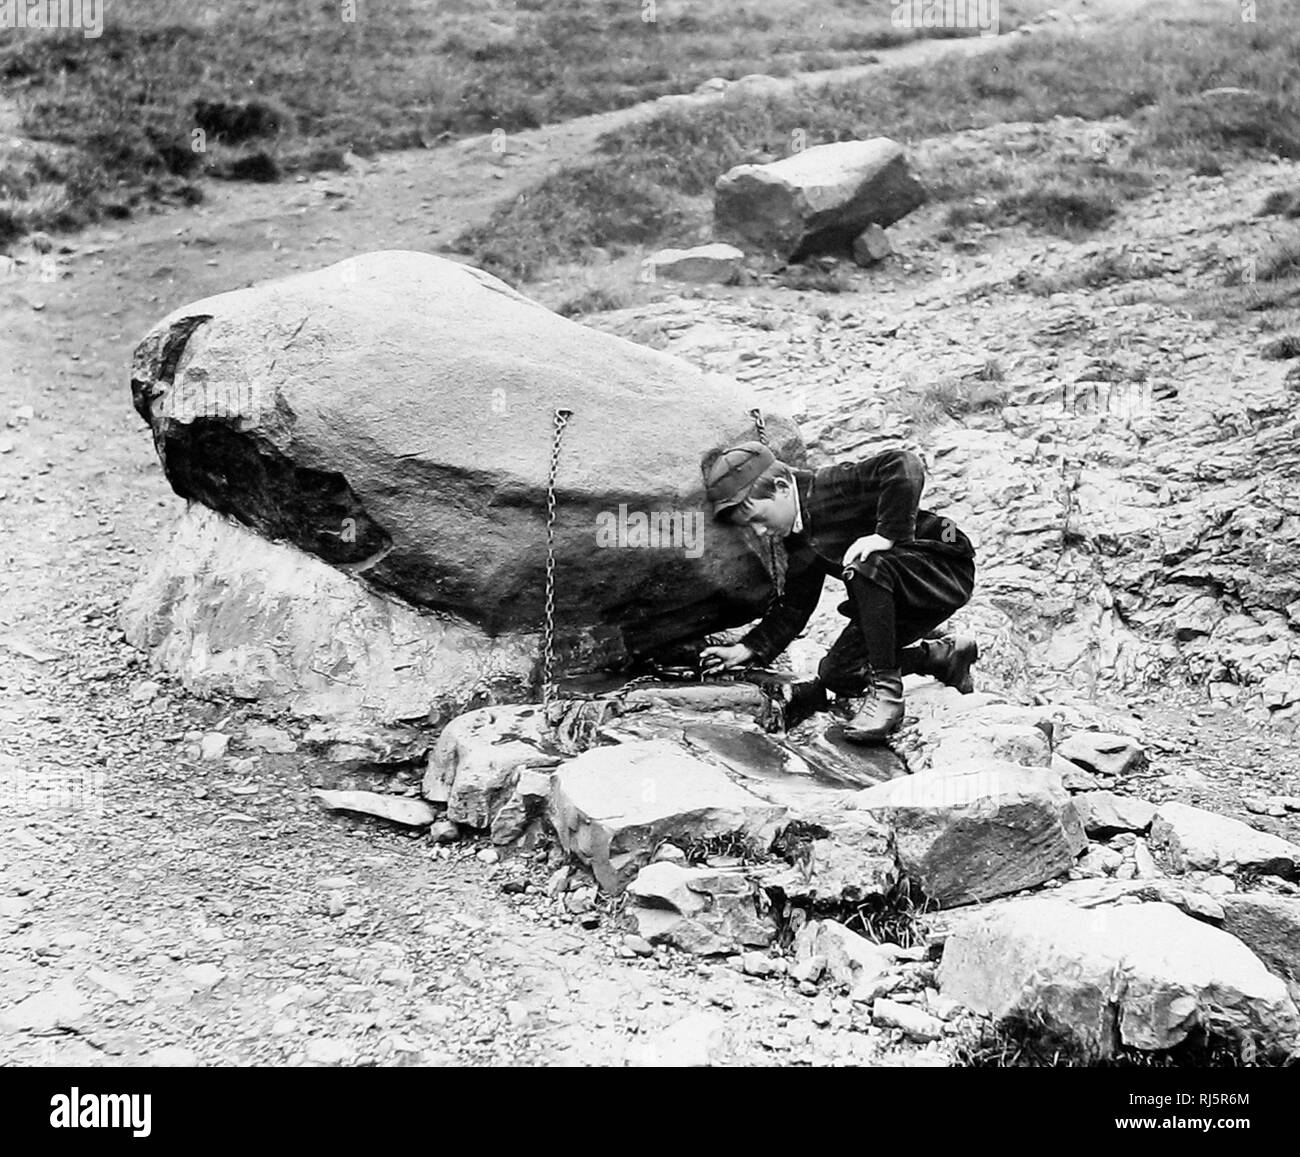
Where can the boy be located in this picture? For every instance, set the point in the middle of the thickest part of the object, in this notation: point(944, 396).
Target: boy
point(906, 571)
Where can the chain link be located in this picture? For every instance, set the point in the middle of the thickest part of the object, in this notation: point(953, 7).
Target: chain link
point(562, 417)
point(760, 426)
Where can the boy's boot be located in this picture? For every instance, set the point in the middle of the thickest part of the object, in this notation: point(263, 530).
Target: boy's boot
point(882, 712)
point(948, 659)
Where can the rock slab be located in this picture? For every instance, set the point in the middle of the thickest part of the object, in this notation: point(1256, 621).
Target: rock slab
point(1190, 838)
point(613, 806)
point(979, 831)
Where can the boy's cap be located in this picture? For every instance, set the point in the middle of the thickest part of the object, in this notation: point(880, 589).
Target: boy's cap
point(730, 476)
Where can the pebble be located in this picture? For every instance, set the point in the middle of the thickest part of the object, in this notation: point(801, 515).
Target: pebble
point(213, 745)
point(145, 692)
point(489, 856)
point(638, 945)
point(759, 964)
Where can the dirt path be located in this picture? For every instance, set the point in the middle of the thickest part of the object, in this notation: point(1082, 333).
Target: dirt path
point(212, 913)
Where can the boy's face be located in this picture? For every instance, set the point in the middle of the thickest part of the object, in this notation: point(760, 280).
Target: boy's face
point(768, 516)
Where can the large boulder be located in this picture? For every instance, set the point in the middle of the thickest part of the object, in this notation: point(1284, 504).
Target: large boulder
point(393, 415)
point(614, 806)
point(979, 831)
point(816, 201)
point(1144, 975)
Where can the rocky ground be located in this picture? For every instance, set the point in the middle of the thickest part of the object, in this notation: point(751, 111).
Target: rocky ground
point(162, 907)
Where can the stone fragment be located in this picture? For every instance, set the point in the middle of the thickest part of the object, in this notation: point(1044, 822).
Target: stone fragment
point(917, 1024)
point(413, 813)
point(1103, 813)
point(1103, 753)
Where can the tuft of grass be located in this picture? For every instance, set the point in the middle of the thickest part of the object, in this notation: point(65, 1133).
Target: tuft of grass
point(1282, 348)
point(1031, 1041)
point(1282, 202)
point(1113, 268)
point(815, 279)
point(952, 397)
point(569, 212)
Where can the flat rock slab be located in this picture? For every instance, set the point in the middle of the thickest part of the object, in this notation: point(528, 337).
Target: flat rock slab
point(1190, 838)
point(820, 761)
point(1145, 975)
point(980, 831)
point(614, 806)
point(413, 813)
point(716, 263)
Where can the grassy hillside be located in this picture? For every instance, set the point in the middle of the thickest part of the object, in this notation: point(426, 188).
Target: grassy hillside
point(650, 186)
point(292, 84)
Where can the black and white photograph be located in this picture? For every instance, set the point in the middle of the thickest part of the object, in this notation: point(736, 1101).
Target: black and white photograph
point(649, 534)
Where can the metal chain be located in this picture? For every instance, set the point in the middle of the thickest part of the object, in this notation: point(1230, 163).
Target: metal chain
point(761, 427)
point(548, 630)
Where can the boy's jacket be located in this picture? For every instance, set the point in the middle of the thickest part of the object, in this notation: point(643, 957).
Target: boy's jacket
point(840, 504)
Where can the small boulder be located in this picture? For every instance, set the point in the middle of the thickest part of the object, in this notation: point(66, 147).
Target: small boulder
point(816, 201)
point(1190, 838)
point(717, 263)
point(871, 246)
point(613, 807)
point(978, 831)
point(477, 762)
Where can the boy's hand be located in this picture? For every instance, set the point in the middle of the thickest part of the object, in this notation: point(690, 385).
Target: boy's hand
point(715, 659)
point(864, 547)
